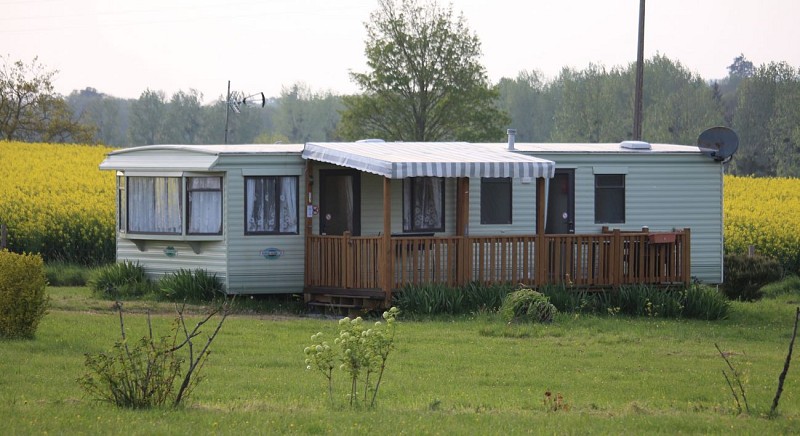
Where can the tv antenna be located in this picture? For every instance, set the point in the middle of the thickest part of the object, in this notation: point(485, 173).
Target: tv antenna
point(236, 105)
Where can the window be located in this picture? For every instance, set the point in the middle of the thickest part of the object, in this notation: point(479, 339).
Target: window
point(154, 205)
point(204, 205)
point(271, 205)
point(609, 198)
point(122, 218)
point(496, 200)
point(423, 204)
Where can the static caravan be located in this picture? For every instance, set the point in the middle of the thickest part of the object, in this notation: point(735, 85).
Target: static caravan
point(350, 223)
point(232, 210)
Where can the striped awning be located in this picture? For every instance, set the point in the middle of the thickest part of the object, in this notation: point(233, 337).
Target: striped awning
point(398, 160)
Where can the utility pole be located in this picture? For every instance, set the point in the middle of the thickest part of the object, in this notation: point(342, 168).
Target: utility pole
point(637, 110)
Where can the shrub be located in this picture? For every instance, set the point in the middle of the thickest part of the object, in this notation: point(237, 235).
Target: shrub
point(23, 300)
point(120, 281)
point(144, 373)
point(362, 351)
point(527, 305)
point(745, 275)
point(187, 285)
point(642, 300)
point(705, 302)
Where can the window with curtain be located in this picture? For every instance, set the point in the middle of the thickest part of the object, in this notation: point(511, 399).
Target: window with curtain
point(496, 200)
point(122, 218)
point(609, 198)
point(423, 204)
point(204, 205)
point(271, 205)
point(154, 205)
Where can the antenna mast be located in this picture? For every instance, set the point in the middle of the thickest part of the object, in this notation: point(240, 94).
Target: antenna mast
point(637, 110)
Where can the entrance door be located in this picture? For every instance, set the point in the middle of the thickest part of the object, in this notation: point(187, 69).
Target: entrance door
point(561, 203)
point(340, 202)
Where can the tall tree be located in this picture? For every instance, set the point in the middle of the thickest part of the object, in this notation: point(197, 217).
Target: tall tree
point(425, 81)
point(147, 118)
point(30, 109)
point(530, 102)
point(183, 118)
point(304, 115)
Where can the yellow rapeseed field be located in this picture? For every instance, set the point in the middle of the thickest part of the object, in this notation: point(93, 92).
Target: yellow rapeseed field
point(763, 212)
point(55, 201)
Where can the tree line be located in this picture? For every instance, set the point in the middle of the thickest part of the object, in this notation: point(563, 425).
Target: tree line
point(426, 84)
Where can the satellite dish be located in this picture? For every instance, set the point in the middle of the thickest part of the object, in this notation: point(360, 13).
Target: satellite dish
point(256, 98)
point(719, 143)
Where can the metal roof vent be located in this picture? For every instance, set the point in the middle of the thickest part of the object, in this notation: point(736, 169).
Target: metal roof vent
point(512, 137)
point(635, 145)
point(371, 140)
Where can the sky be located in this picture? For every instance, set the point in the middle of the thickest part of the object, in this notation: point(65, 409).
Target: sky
point(123, 47)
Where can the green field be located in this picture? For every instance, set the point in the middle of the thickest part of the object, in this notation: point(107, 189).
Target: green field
point(471, 375)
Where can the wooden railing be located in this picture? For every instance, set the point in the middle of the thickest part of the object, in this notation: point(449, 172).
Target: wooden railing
point(598, 260)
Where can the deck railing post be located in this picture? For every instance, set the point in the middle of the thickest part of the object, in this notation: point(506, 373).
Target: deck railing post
point(618, 258)
point(686, 262)
point(539, 260)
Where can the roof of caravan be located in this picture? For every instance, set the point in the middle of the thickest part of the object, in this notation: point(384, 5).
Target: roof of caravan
point(558, 147)
point(397, 160)
point(188, 157)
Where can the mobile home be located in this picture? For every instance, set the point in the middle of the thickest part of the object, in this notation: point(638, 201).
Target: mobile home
point(360, 220)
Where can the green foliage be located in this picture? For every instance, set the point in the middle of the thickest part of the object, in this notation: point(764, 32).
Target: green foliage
point(188, 285)
point(23, 300)
point(745, 275)
point(120, 281)
point(437, 299)
point(136, 376)
point(790, 285)
point(150, 372)
point(30, 108)
point(426, 82)
point(696, 302)
point(705, 302)
point(61, 273)
point(362, 352)
point(527, 305)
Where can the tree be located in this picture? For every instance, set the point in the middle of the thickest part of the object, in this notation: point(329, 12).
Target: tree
point(425, 83)
point(30, 109)
point(303, 115)
point(183, 118)
point(147, 118)
point(529, 101)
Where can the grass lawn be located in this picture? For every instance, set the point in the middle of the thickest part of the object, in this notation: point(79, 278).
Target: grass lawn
point(452, 376)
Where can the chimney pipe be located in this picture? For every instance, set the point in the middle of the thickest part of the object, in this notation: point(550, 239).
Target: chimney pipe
point(512, 135)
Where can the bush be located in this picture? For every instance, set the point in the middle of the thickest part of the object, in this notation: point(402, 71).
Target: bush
point(745, 275)
point(527, 305)
point(705, 302)
point(23, 300)
point(187, 285)
point(120, 281)
point(641, 300)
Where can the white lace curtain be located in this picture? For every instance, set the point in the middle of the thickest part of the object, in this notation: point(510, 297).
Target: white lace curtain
point(271, 204)
point(423, 204)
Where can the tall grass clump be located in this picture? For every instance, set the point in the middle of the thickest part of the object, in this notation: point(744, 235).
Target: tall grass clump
point(188, 285)
point(60, 273)
point(439, 299)
point(23, 300)
point(120, 281)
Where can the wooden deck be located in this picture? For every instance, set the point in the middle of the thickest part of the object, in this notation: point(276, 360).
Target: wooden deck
point(608, 259)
